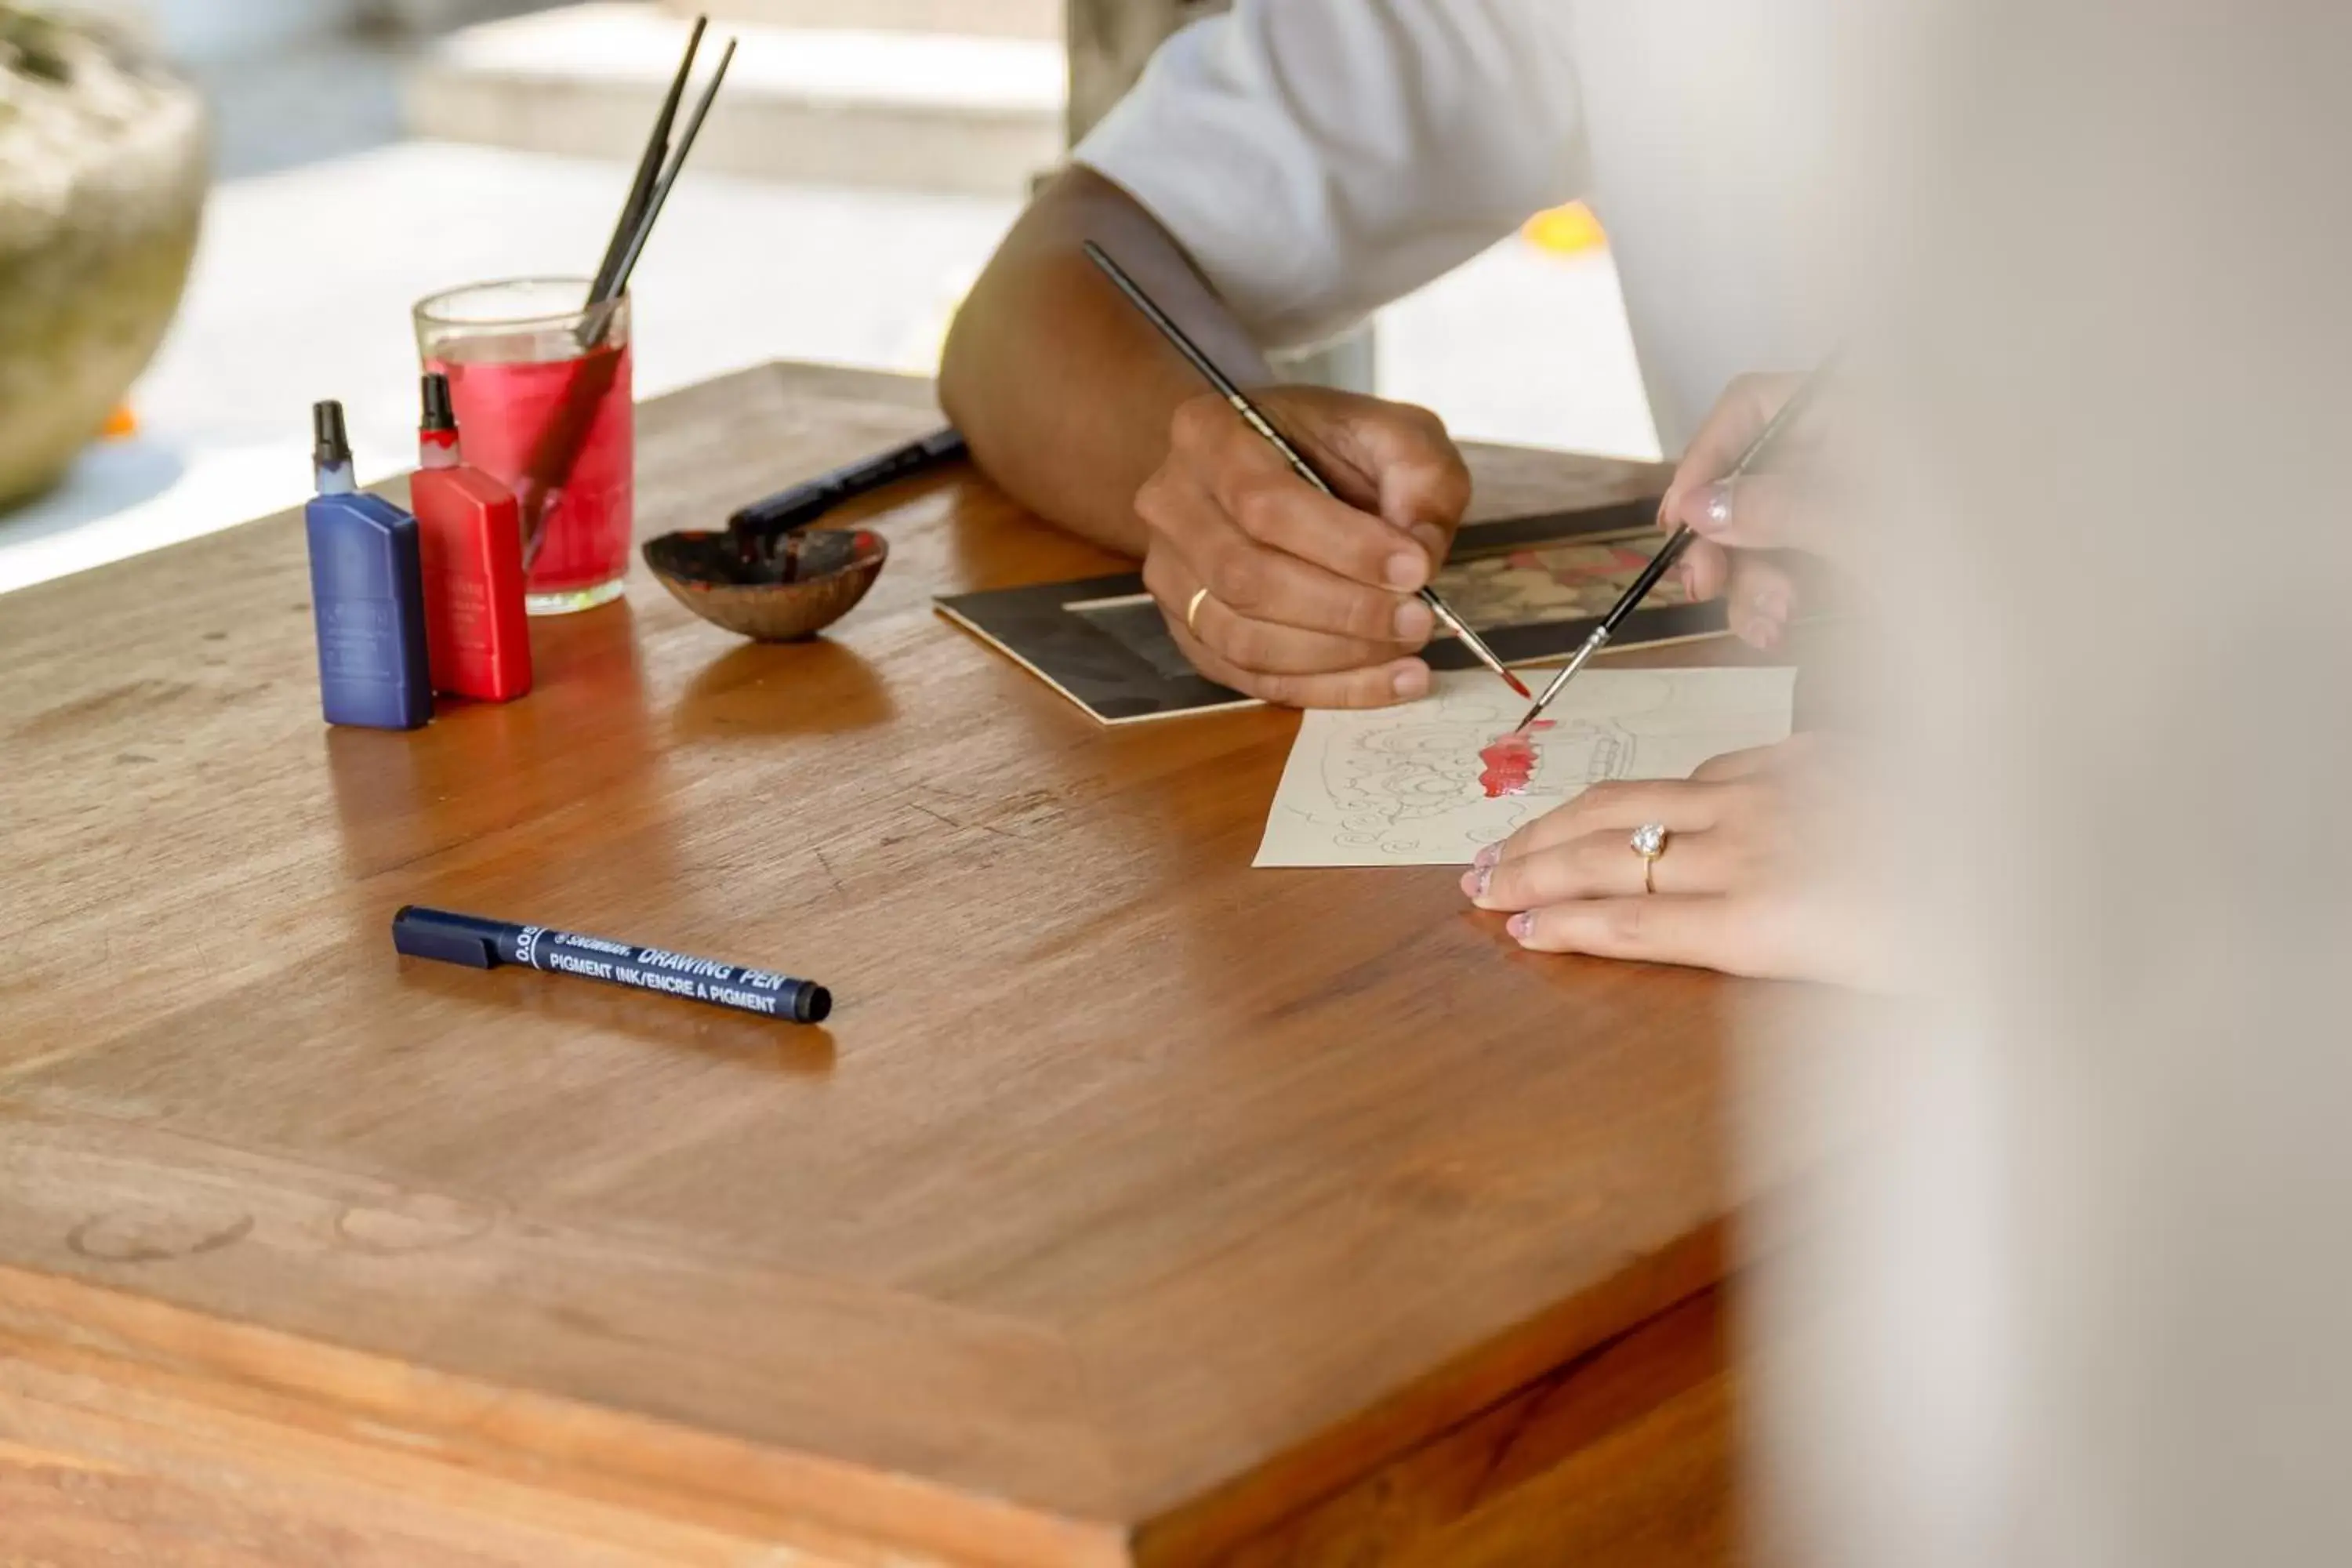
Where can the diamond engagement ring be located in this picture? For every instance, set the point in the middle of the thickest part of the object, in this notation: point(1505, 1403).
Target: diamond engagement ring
point(1649, 841)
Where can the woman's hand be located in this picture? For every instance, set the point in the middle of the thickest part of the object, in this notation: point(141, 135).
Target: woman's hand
point(1762, 873)
point(1740, 522)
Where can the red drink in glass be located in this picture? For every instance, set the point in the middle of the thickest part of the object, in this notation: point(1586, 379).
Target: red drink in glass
point(552, 419)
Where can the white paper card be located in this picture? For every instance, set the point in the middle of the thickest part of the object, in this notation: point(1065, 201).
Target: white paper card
point(1401, 786)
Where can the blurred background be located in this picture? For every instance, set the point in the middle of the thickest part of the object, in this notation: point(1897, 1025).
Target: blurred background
point(862, 162)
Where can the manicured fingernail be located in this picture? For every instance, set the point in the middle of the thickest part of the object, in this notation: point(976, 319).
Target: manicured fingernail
point(1709, 510)
point(1521, 925)
point(1407, 568)
point(1412, 621)
point(1411, 682)
point(1489, 855)
point(1473, 884)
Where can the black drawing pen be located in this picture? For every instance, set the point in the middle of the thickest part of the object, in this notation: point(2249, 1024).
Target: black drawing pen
point(1241, 404)
point(482, 943)
point(805, 503)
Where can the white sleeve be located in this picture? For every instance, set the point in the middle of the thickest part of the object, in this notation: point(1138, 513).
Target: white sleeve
point(1319, 158)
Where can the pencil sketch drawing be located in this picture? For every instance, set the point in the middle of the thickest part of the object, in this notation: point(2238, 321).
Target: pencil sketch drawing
point(1401, 786)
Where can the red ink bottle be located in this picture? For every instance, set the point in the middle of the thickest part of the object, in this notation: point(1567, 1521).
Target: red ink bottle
point(472, 539)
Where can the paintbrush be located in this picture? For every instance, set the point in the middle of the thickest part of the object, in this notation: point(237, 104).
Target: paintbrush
point(619, 284)
point(1672, 550)
point(1290, 454)
point(560, 442)
point(649, 165)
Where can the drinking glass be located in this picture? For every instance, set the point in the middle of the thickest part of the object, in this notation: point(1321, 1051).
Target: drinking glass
point(540, 385)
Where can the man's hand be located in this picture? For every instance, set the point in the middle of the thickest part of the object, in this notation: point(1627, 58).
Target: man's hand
point(1309, 602)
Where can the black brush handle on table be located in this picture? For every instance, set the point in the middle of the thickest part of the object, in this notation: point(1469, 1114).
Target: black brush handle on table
point(790, 510)
point(1672, 550)
point(1258, 422)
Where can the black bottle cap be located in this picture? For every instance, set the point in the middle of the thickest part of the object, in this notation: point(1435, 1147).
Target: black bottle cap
point(330, 447)
point(440, 414)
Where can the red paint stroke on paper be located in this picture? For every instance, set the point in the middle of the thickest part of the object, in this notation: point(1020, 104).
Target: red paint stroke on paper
point(1511, 761)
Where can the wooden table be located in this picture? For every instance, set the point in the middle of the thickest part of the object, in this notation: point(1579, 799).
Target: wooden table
point(1135, 1206)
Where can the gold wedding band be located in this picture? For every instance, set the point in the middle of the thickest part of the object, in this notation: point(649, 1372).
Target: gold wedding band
point(1193, 609)
point(1649, 841)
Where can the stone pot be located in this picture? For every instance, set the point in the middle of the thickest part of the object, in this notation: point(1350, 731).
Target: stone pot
point(103, 165)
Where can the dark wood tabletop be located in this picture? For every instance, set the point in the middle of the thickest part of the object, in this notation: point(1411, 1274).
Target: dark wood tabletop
point(1133, 1205)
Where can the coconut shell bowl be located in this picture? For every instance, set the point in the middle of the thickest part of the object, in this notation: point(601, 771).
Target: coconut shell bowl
point(778, 589)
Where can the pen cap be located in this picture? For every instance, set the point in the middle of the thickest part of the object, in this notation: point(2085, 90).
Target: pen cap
point(449, 938)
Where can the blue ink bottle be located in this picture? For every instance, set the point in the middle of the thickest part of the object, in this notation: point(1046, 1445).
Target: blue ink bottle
point(367, 594)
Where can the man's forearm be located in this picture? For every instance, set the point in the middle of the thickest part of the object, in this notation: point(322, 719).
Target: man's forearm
point(1064, 391)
